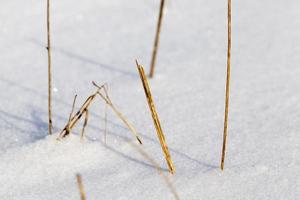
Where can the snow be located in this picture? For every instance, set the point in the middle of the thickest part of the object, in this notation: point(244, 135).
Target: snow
point(99, 40)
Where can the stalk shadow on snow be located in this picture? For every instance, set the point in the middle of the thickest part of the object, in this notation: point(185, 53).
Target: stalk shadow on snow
point(208, 167)
point(41, 127)
point(119, 153)
point(155, 141)
point(85, 59)
point(11, 83)
point(41, 132)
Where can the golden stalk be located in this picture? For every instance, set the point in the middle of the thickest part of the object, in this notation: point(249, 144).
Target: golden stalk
point(80, 187)
point(227, 88)
point(76, 117)
point(157, 36)
point(49, 70)
point(84, 110)
point(155, 118)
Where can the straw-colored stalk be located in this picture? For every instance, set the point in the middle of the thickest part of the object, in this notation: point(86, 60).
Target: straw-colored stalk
point(49, 71)
point(227, 88)
point(72, 122)
point(157, 37)
point(108, 101)
point(84, 111)
point(80, 187)
point(86, 118)
point(71, 114)
point(155, 118)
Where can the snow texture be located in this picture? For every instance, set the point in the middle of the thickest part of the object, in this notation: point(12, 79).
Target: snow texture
point(99, 40)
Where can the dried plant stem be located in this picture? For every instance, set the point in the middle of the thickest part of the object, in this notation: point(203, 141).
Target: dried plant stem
point(155, 118)
point(86, 118)
point(49, 70)
point(78, 115)
point(157, 36)
point(153, 162)
point(71, 114)
point(84, 110)
point(80, 186)
point(106, 98)
point(73, 106)
point(227, 88)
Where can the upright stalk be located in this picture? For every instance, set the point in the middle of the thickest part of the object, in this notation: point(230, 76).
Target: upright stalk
point(155, 118)
point(157, 36)
point(227, 88)
point(80, 187)
point(49, 70)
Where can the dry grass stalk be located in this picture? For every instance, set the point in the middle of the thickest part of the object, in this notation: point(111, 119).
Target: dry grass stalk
point(49, 71)
point(153, 162)
point(77, 116)
point(86, 118)
point(80, 187)
point(84, 111)
point(71, 114)
point(155, 118)
point(227, 88)
point(106, 98)
point(157, 36)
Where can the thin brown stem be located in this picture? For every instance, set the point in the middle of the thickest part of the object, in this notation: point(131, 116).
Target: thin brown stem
point(227, 88)
point(49, 70)
point(84, 110)
point(86, 118)
point(155, 118)
point(71, 114)
point(157, 37)
point(76, 117)
point(73, 106)
point(121, 116)
point(80, 187)
point(108, 101)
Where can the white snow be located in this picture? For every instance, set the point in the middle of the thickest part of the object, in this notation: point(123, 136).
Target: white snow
point(99, 40)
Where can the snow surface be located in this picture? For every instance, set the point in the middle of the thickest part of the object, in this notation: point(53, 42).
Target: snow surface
point(99, 40)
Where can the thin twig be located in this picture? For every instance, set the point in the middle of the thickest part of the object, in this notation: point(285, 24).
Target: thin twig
point(73, 106)
point(153, 162)
point(77, 116)
point(107, 99)
point(227, 88)
point(71, 114)
point(155, 118)
point(157, 36)
point(83, 110)
point(86, 118)
point(80, 187)
point(49, 70)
